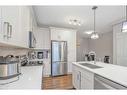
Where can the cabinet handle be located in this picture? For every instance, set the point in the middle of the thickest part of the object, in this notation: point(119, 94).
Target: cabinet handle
point(10, 31)
point(6, 29)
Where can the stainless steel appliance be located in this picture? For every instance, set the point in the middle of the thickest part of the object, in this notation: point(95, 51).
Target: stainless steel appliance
point(9, 70)
point(9, 67)
point(58, 58)
point(32, 40)
point(106, 59)
point(104, 83)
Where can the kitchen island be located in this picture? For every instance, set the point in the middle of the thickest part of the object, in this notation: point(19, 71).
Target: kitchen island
point(30, 78)
point(84, 77)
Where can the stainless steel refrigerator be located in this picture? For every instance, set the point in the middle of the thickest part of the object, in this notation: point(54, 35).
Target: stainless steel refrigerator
point(58, 58)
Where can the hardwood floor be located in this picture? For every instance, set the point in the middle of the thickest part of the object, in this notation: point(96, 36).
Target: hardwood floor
point(60, 82)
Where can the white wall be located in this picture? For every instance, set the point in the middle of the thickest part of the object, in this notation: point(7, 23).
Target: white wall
point(102, 46)
point(4, 51)
point(82, 48)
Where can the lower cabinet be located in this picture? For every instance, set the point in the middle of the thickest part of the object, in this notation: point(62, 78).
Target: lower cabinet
point(76, 74)
point(47, 68)
point(82, 79)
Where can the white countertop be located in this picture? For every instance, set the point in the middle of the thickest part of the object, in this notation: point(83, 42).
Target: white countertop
point(115, 73)
point(31, 78)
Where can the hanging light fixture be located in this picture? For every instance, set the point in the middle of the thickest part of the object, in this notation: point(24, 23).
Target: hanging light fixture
point(94, 34)
point(124, 25)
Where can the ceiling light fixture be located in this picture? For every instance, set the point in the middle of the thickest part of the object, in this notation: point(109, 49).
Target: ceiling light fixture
point(124, 25)
point(74, 22)
point(94, 34)
point(89, 32)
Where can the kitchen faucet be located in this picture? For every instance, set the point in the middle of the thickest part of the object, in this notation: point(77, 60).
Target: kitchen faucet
point(94, 54)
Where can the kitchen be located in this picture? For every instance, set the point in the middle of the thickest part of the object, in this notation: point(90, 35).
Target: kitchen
point(63, 47)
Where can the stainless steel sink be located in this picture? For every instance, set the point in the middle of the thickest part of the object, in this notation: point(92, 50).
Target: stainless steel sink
point(91, 66)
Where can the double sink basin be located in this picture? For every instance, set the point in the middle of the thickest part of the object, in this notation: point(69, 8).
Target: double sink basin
point(91, 66)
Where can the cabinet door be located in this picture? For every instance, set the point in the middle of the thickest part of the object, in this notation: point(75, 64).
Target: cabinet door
point(43, 38)
point(121, 48)
point(1, 32)
point(87, 79)
point(76, 77)
point(86, 84)
point(25, 16)
point(10, 14)
point(47, 68)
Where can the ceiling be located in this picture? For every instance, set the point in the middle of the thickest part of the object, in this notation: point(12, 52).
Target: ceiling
point(58, 16)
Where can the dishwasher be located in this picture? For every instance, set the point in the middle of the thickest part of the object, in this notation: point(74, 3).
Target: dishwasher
point(104, 83)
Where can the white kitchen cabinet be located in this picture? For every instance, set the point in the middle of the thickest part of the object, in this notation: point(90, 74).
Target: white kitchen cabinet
point(119, 46)
point(15, 24)
point(87, 79)
point(43, 38)
point(25, 26)
point(1, 33)
point(1, 36)
point(121, 49)
point(47, 68)
point(10, 20)
point(76, 77)
point(82, 79)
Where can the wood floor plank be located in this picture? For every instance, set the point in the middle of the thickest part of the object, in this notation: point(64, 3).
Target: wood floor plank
point(60, 82)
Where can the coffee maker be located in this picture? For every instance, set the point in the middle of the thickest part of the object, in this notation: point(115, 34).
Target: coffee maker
point(106, 59)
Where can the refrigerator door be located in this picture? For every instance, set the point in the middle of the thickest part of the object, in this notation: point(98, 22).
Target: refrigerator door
point(63, 51)
point(59, 68)
point(55, 54)
point(59, 58)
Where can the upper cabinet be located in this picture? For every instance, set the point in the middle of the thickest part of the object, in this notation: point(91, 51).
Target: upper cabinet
point(42, 36)
point(1, 34)
point(15, 24)
point(25, 25)
point(10, 21)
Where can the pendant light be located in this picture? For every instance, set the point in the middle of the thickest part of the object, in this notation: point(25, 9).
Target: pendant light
point(124, 25)
point(94, 34)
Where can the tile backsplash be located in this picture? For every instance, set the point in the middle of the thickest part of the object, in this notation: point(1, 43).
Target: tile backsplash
point(4, 51)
